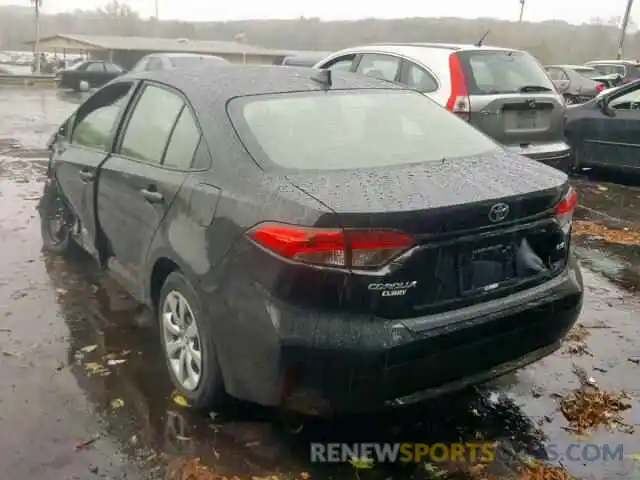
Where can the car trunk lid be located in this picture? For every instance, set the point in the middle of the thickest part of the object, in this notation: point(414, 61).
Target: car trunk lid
point(483, 227)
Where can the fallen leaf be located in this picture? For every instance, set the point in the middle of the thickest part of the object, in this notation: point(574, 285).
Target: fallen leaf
point(589, 407)
point(180, 400)
point(117, 403)
point(602, 188)
point(634, 456)
point(583, 228)
point(89, 348)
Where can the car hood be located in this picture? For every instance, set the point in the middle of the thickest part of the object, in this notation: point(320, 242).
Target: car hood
point(498, 174)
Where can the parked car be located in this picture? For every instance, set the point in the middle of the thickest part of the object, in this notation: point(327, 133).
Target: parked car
point(604, 131)
point(575, 82)
point(89, 74)
point(504, 93)
point(168, 61)
point(616, 71)
point(317, 240)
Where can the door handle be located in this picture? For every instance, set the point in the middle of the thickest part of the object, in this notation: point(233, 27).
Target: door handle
point(151, 196)
point(86, 176)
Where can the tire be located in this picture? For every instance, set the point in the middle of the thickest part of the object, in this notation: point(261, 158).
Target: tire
point(208, 391)
point(55, 222)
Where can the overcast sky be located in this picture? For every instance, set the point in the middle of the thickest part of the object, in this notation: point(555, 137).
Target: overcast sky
point(574, 11)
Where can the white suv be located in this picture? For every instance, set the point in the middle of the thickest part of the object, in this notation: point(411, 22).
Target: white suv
point(503, 92)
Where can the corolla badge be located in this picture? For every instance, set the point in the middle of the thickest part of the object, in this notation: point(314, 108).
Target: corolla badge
point(498, 212)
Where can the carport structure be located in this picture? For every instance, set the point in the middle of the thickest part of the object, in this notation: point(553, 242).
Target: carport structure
point(126, 51)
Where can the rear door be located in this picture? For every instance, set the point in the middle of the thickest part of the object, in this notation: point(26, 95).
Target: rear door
point(93, 129)
point(139, 182)
point(511, 97)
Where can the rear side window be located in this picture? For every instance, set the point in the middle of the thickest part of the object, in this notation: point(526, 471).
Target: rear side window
point(587, 72)
point(493, 72)
point(184, 142)
point(352, 129)
point(150, 124)
point(95, 67)
point(380, 66)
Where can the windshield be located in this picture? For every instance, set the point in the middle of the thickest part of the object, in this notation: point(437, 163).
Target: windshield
point(495, 71)
point(352, 129)
point(190, 61)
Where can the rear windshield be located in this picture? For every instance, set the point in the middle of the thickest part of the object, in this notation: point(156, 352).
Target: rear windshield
point(587, 72)
point(493, 72)
point(350, 129)
point(191, 61)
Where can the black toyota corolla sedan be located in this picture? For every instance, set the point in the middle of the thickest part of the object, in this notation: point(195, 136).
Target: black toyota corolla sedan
point(315, 240)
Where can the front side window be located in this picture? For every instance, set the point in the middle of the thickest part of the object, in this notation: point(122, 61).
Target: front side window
point(352, 129)
point(95, 121)
point(342, 64)
point(498, 71)
point(150, 124)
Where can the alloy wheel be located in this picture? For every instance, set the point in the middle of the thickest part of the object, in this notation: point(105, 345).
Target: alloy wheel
point(182, 344)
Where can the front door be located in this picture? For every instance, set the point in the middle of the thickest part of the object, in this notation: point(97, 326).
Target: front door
point(139, 182)
point(76, 162)
point(614, 141)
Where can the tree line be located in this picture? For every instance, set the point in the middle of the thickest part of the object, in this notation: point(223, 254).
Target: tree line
point(551, 41)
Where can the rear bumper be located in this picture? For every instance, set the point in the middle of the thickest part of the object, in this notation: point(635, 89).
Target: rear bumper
point(352, 365)
point(556, 154)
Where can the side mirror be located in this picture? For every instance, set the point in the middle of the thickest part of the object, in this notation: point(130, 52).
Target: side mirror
point(603, 105)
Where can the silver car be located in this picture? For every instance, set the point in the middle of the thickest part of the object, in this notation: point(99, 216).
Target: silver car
point(168, 61)
point(575, 82)
point(503, 92)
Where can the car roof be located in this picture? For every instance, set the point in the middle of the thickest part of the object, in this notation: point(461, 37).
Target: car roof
point(226, 81)
point(567, 65)
point(404, 48)
point(613, 62)
point(181, 55)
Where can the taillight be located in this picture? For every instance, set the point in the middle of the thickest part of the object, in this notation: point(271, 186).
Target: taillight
point(459, 102)
point(364, 249)
point(566, 207)
point(600, 87)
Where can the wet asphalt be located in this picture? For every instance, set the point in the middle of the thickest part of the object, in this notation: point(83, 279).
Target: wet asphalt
point(84, 392)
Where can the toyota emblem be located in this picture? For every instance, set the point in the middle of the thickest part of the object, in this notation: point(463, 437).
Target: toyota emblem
point(498, 212)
